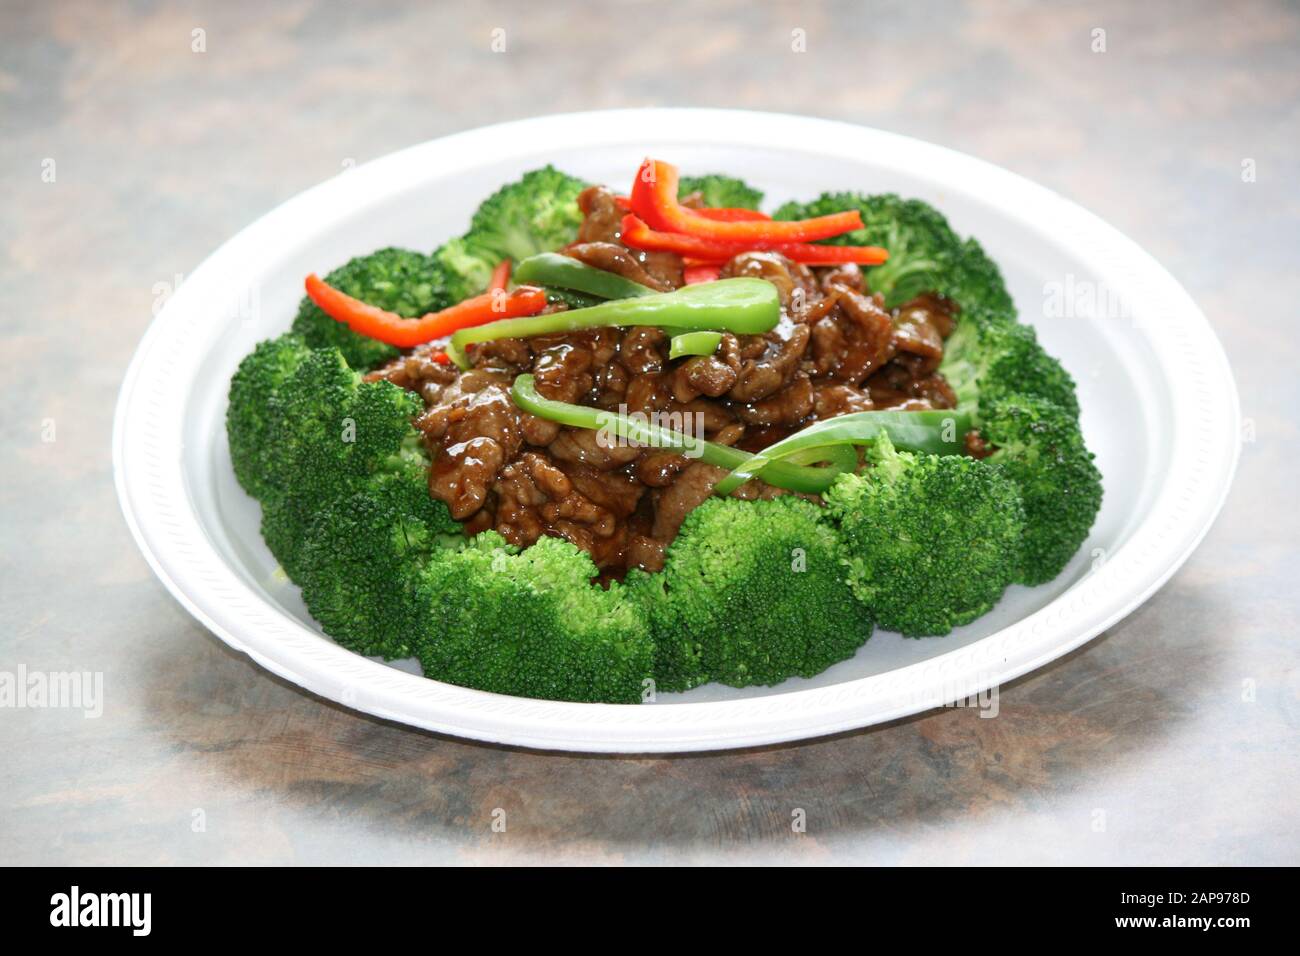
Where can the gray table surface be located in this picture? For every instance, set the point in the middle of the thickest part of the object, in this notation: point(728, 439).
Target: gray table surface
point(1172, 738)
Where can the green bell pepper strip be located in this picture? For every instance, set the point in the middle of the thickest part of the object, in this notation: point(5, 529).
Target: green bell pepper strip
point(551, 268)
point(574, 300)
point(783, 474)
point(746, 306)
point(842, 457)
point(694, 343)
point(920, 431)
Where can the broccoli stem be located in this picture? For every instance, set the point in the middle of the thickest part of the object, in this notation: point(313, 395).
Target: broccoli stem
point(553, 269)
point(746, 306)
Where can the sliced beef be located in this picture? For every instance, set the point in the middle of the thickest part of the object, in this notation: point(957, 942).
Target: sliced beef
point(643, 349)
point(420, 372)
point(931, 308)
point(603, 222)
point(789, 406)
point(855, 341)
point(763, 375)
point(691, 489)
point(846, 276)
point(463, 472)
point(563, 372)
point(593, 448)
point(834, 399)
point(618, 258)
point(795, 283)
point(702, 375)
point(915, 336)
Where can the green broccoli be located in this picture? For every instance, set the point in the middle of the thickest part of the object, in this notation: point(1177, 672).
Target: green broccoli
point(539, 213)
point(360, 560)
point(984, 362)
point(718, 190)
point(531, 624)
point(322, 432)
point(345, 509)
point(401, 281)
point(752, 592)
point(468, 268)
point(251, 424)
point(925, 255)
point(1040, 448)
point(931, 541)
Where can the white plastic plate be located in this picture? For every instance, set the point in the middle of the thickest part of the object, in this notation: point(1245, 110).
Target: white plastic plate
point(1159, 409)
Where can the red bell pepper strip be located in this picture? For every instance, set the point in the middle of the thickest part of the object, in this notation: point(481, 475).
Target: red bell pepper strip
point(732, 214)
point(702, 272)
point(403, 333)
point(500, 276)
point(720, 213)
point(654, 200)
point(640, 236)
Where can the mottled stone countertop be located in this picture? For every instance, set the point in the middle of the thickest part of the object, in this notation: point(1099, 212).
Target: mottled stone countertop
point(1178, 729)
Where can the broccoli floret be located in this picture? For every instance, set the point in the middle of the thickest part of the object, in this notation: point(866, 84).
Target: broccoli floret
point(361, 557)
point(932, 541)
point(539, 213)
point(321, 433)
point(984, 362)
point(250, 421)
point(719, 190)
point(467, 268)
point(345, 509)
point(752, 592)
point(1040, 448)
point(531, 624)
point(399, 280)
point(925, 255)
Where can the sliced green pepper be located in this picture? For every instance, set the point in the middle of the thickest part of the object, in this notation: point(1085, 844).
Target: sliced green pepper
point(694, 343)
point(572, 299)
point(783, 474)
point(745, 306)
point(937, 432)
point(554, 269)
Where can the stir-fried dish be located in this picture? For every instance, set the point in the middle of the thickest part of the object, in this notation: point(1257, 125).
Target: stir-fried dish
point(608, 444)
